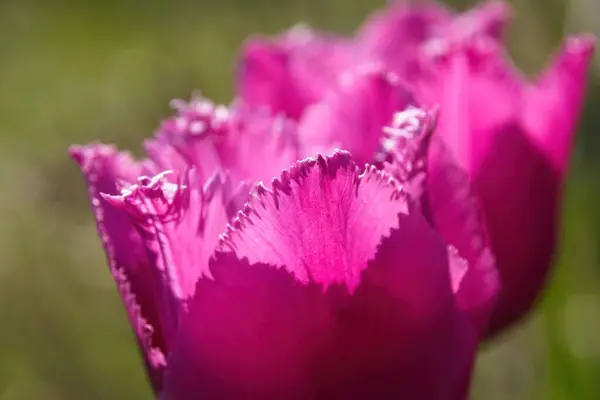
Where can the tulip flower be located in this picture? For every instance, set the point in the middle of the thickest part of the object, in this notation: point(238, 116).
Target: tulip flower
point(511, 136)
point(332, 281)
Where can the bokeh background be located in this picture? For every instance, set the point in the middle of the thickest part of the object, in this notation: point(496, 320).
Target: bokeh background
point(76, 71)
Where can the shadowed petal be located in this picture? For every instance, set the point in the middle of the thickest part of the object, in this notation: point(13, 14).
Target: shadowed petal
point(519, 192)
point(420, 160)
point(515, 147)
point(456, 214)
point(318, 294)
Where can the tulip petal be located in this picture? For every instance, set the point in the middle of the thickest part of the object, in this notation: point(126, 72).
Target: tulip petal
point(259, 145)
point(318, 294)
point(519, 193)
point(334, 257)
point(179, 225)
point(103, 167)
point(355, 112)
point(469, 117)
point(395, 35)
point(406, 31)
point(292, 71)
point(188, 139)
point(518, 142)
point(250, 144)
point(553, 103)
point(489, 18)
point(456, 214)
point(442, 190)
point(262, 76)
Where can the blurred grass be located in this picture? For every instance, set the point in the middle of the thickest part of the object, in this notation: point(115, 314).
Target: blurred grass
point(76, 71)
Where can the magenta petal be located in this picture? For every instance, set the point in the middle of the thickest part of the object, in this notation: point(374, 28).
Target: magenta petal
point(407, 32)
point(520, 195)
point(554, 102)
point(456, 214)
point(318, 294)
point(234, 194)
point(395, 35)
point(188, 139)
point(264, 79)
point(248, 143)
point(489, 18)
point(290, 220)
point(292, 71)
point(454, 121)
point(422, 163)
point(179, 225)
point(258, 145)
point(103, 167)
point(528, 158)
point(517, 141)
point(469, 117)
point(353, 114)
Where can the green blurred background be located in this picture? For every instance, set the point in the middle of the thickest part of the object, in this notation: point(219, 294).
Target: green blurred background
point(76, 71)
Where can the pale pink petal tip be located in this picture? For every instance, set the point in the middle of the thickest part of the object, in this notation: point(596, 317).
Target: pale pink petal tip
point(583, 45)
point(85, 155)
point(494, 14)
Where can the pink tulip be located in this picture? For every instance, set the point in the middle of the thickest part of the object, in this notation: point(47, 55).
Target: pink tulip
point(333, 281)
